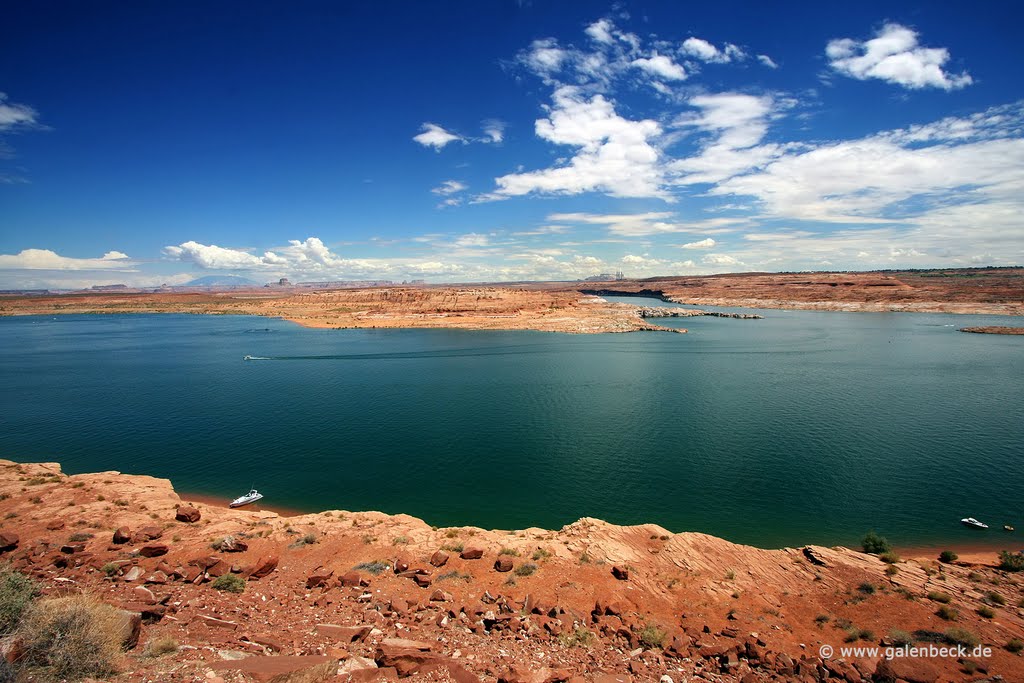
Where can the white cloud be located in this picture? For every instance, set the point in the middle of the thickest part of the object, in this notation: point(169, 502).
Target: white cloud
point(702, 244)
point(660, 66)
point(14, 115)
point(449, 187)
point(698, 48)
point(720, 260)
point(435, 136)
point(472, 239)
point(44, 259)
point(738, 122)
point(601, 31)
point(494, 130)
point(545, 57)
point(615, 155)
point(767, 61)
point(894, 55)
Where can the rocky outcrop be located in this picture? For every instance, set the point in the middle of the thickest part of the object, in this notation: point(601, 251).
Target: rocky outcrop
point(668, 312)
point(187, 514)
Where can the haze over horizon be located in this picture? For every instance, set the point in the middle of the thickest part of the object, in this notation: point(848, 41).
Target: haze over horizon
point(153, 143)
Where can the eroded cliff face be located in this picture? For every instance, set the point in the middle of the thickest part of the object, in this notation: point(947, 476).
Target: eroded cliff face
point(377, 596)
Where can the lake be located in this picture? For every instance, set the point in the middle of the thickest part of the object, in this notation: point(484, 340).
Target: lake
point(803, 427)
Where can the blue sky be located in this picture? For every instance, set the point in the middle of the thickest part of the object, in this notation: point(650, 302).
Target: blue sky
point(157, 142)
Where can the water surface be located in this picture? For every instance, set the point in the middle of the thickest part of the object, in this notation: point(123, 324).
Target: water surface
point(802, 427)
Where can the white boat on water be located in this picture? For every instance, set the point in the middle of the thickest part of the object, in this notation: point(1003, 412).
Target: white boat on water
point(973, 523)
point(250, 497)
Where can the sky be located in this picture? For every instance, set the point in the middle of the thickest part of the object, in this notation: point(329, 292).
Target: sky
point(150, 142)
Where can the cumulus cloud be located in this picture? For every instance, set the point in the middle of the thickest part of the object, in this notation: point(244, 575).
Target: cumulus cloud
point(698, 48)
point(767, 61)
point(614, 155)
point(706, 243)
point(45, 259)
point(601, 31)
point(660, 66)
point(720, 260)
point(894, 56)
point(435, 136)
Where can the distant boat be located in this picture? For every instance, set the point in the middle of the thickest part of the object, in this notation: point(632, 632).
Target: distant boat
point(250, 497)
point(248, 358)
point(973, 523)
point(1007, 527)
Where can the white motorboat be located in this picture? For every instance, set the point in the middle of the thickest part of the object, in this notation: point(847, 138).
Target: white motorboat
point(250, 497)
point(973, 523)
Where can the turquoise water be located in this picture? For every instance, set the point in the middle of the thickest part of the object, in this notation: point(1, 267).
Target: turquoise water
point(802, 427)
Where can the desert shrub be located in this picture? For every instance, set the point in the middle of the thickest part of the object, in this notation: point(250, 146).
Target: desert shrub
point(16, 593)
point(525, 569)
point(229, 583)
point(892, 570)
point(867, 588)
point(875, 544)
point(509, 551)
point(939, 596)
point(995, 598)
point(453, 547)
point(72, 637)
point(900, 638)
point(110, 568)
point(454, 576)
point(822, 619)
point(541, 554)
point(580, 637)
point(400, 540)
point(651, 636)
point(375, 567)
point(854, 634)
point(948, 556)
point(1015, 645)
point(889, 557)
point(948, 613)
point(961, 636)
point(160, 646)
point(986, 611)
point(1011, 562)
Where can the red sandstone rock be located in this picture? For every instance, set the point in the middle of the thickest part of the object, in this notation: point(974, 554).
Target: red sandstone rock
point(439, 558)
point(472, 553)
point(188, 514)
point(503, 564)
point(319, 577)
point(620, 573)
point(148, 533)
point(122, 535)
point(154, 550)
point(283, 668)
point(346, 634)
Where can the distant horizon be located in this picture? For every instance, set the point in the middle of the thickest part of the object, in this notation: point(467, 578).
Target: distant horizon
point(505, 142)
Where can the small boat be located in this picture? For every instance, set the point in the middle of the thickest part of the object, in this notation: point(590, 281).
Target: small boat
point(248, 358)
point(250, 497)
point(973, 523)
point(1007, 527)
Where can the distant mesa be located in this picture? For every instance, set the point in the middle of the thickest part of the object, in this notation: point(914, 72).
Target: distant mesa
point(220, 281)
point(993, 329)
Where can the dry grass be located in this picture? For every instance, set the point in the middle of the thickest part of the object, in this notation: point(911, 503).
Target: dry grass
point(72, 637)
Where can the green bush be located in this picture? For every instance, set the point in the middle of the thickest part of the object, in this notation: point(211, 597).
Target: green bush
point(509, 551)
point(375, 567)
point(651, 636)
point(995, 598)
point(160, 646)
point(229, 583)
point(875, 544)
point(948, 613)
point(939, 596)
point(961, 636)
point(1015, 645)
point(986, 611)
point(580, 637)
point(16, 593)
point(1011, 562)
point(867, 588)
point(525, 569)
point(72, 637)
point(889, 557)
point(900, 638)
point(948, 556)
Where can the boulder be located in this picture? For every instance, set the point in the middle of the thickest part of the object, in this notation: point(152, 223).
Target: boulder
point(283, 668)
point(406, 656)
point(439, 558)
point(232, 545)
point(153, 550)
point(422, 580)
point(55, 525)
point(352, 578)
point(122, 535)
point(910, 669)
point(503, 564)
point(72, 548)
point(319, 577)
point(620, 573)
point(186, 513)
point(149, 533)
point(130, 628)
point(523, 674)
point(472, 553)
point(134, 574)
point(8, 540)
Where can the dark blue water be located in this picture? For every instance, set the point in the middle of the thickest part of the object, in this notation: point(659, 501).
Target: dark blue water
point(802, 427)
